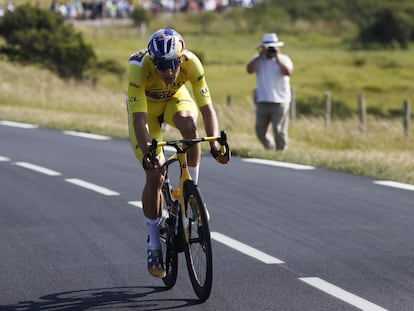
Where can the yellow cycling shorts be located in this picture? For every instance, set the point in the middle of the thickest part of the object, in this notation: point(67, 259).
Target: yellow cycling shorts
point(162, 110)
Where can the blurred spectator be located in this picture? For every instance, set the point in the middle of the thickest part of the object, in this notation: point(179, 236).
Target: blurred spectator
point(273, 94)
point(96, 9)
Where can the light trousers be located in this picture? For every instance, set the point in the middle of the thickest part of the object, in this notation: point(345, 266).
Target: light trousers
point(278, 115)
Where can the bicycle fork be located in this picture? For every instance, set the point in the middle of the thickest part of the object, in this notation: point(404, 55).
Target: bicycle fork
point(170, 201)
point(185, 175)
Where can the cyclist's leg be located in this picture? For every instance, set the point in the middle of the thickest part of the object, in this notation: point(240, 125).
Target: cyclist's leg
point(151, 195)
point(152, 203)
point(181, 112)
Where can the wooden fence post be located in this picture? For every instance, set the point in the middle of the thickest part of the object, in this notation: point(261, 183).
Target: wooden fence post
point(328, 109)
point(362, 112)
point(228, 100)
point(407, 118)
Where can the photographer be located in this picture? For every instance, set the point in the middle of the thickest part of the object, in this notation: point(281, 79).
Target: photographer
point(273, 93)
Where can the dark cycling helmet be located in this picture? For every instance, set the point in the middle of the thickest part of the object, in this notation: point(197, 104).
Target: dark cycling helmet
point(165, 48)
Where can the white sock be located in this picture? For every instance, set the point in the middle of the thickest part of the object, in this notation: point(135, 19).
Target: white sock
point(194, 170)
point(154, 234)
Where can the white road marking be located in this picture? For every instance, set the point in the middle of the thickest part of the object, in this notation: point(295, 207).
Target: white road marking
point(279, 164)
point(93, 187)
point(341, 294)
point(37, 168)
point(135, 203)
point(86, 135)
point(394, 184)
point(4, 159)
point(245, 249)
point(19, 124)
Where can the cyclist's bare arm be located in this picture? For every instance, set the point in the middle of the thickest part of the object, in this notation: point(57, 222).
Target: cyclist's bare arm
point(141, 131)
point(210, 120)
point(143, 138)
point(212, 129)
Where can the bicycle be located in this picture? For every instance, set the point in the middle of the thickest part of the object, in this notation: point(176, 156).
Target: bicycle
point(184, 222)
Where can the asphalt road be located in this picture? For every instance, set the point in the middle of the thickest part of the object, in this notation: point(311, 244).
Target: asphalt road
point(73, 237)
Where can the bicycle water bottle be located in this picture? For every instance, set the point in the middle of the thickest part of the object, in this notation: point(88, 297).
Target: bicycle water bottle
point(170, 197)
point(175, 193)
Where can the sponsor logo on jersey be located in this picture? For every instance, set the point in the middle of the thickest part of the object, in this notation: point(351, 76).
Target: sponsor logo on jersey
point(132, 84)
point(200, 77)
point(204, 91)
point(160, 95)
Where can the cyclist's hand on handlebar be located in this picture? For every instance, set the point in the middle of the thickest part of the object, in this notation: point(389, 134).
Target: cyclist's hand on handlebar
point(220, 157)
point(151, 164)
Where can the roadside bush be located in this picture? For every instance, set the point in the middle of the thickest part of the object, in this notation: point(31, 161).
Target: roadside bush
point(204, 19)
point(266, 16)
point(34, 35)
point(314, 106)
point(392, 26)
point(377, 111)
point(139, 16)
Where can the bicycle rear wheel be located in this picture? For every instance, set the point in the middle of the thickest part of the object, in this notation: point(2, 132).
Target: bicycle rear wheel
point(169, 251)
point(198, 252)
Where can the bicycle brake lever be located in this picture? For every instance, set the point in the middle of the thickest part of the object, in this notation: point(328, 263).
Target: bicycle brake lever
point(224, 146)
point(223, 138)
point(153, 150)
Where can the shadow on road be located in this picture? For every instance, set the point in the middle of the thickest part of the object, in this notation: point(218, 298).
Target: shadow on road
point(115, 298)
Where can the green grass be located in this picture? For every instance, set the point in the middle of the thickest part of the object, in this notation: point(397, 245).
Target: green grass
point(322, 63)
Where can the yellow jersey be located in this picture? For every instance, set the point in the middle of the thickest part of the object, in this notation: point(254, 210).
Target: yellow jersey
point(145, 85)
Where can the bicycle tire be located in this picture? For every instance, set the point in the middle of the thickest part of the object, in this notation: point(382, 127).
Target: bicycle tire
point(198, 252)
point(169, 252)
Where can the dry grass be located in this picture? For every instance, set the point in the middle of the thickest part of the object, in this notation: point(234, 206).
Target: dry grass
point(34, 95)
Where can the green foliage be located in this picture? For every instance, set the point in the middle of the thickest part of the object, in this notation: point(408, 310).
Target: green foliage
point(140, 15)
point(312, 10)
point(102, 67)
point(34, 35)
point(236, 17)
point(314, 106)
point(381, 23)
point(204, 19)
point(376, 111)
point(265, 16)
point(393, 23)
point(309, 106)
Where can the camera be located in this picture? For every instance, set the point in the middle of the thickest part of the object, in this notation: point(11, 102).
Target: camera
point(271, 50)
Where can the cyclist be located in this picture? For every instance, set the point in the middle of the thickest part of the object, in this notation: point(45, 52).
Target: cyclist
point(157, 94)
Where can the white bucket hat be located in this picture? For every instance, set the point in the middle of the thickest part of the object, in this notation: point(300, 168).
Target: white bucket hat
point(271, 40)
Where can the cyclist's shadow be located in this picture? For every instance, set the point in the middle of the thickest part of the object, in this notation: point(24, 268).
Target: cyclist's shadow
point(115, 298)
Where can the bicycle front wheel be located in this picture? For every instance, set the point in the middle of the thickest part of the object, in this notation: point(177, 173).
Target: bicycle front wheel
point(198, 252)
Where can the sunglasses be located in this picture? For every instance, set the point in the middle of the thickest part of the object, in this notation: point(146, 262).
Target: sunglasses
point(172, 64)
